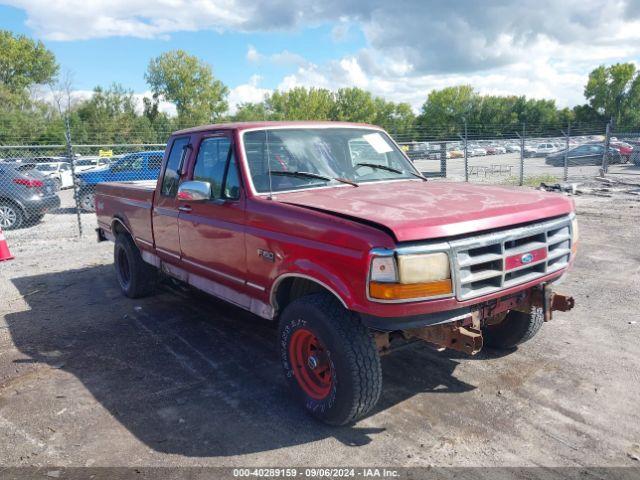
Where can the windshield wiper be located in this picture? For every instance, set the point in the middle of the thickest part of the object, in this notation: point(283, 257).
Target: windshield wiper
point(287, 173)
point(390, 169)
point(298, 174)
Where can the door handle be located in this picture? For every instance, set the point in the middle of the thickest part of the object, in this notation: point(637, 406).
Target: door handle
point(185, 208)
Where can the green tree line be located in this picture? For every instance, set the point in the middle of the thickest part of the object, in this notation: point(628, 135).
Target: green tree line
point(110, 114)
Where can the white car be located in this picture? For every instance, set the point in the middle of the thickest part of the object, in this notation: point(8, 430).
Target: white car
point(544, 149)
point(84, 164)
point(512, 147)
point(59, 172)
point(478, 152)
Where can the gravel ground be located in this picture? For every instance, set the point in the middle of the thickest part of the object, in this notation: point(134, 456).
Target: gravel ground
point(91, 378)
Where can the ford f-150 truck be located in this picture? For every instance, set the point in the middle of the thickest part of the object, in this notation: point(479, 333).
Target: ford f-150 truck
point(329, 229)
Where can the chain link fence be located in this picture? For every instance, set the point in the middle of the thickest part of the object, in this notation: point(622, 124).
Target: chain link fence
point(51, 187)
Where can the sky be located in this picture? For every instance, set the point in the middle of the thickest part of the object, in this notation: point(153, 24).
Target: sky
point(399, 49)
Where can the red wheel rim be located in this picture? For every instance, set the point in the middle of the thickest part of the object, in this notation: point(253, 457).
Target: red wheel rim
point(310, 363)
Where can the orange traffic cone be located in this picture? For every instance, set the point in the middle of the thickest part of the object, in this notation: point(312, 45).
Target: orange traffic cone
point(5, 254)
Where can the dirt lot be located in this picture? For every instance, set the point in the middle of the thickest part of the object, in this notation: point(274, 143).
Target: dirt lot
point(90, 378)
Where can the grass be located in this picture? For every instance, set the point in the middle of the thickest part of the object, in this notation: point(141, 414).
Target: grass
point(533, 181)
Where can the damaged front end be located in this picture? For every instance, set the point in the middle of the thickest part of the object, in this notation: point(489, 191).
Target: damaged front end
point(466, 334)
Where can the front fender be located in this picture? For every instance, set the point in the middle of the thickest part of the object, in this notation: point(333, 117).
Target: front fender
point(303, 268)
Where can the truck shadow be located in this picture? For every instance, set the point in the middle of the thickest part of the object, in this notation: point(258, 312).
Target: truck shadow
point(187, 374)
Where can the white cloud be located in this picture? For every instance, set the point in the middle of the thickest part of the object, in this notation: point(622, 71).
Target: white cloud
point(252, 54)
point(285, 57)
point(247, 92)
point(533, 47)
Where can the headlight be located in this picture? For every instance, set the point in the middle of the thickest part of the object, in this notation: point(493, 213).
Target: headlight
point(407, 277)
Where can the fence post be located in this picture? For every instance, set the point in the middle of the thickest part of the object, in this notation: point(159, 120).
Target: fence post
point(73, 173)
point(567, 135)
point(522, 137)
point(466, 153)
point(443, 159)
point(605, 154)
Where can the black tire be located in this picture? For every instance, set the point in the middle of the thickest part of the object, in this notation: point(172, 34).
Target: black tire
point(516, 328)
point(349, 351)
point(11, 215)
point(136, 277)
point(58, 183)
point(34, 219)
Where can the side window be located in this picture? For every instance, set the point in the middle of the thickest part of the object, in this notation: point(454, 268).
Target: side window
point(171, 177)
point(215, 165)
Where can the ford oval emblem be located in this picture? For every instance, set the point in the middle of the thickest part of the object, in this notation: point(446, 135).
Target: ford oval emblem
point(526, 258)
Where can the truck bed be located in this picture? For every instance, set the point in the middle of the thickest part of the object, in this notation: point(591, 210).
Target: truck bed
point(129, 201)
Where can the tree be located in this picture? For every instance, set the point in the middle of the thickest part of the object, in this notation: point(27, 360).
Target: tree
point(614, 92)
point(24, 62)
point(300, 103)
point(353, 105)
point(189, 83)
point(251, 111)
point(110, 116)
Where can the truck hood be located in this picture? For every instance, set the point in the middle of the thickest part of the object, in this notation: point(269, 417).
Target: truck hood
point(416, 210)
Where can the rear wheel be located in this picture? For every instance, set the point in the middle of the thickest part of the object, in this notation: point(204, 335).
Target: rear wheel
point(11, 216)
point(516, 328)
point(330, 359)
point(136, 277)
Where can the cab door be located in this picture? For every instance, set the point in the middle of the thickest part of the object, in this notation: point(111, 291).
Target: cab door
point(165, 211)
point(212, 231)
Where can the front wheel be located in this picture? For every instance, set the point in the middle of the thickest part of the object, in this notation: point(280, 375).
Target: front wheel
point(516, 328)
point(330, 359)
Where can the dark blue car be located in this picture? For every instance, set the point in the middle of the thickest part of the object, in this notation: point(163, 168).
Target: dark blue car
point(132, 166)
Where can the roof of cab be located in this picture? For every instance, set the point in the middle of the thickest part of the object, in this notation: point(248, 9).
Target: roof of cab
point(264, 124)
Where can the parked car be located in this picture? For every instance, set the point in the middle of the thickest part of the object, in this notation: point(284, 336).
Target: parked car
point(83, 164)
point(133, 166)
point(59, 172)
point(25, 195)
point(625, 150)
point(544, 149)
point(587, 154)
point(456, 153)
point(512, 148)
point(348, 253)
point(478, 152)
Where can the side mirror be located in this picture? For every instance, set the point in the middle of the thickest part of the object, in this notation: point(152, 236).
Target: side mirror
point(194, 191)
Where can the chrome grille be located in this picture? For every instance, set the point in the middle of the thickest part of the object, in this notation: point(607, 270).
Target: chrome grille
point(492, 262)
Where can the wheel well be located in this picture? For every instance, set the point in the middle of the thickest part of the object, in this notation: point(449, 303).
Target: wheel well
point(12, 202)
point(117, 227)
point(292, 288)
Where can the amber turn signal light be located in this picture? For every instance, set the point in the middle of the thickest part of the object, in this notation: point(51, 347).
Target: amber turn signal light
point(401, 291)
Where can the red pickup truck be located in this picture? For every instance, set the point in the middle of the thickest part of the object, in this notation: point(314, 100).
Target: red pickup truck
point(329, 229)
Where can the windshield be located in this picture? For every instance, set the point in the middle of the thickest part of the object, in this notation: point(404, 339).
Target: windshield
point(298, 158)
